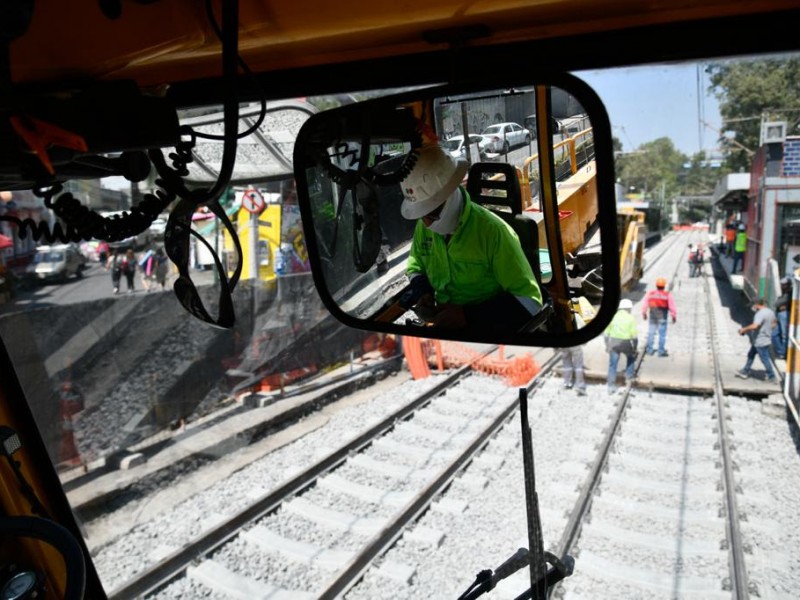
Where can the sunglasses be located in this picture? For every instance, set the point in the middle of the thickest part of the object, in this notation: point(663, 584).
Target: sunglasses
point(176, 243)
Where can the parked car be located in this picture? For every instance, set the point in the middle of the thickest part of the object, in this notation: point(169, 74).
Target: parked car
point(158, 227)
point(504, 136)
point(457, 149)
point(58, 262)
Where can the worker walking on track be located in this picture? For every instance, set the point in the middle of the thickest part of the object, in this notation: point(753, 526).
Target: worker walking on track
point(760, 331)
point(658, 305)
point(621, 337)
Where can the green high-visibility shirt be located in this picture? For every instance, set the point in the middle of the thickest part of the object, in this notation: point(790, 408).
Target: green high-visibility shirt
point(740, 244)
point(482, 258)
point(622, 326)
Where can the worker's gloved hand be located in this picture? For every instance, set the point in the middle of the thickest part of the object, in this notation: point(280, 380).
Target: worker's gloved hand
point(419, 287)
point(450, 316)
point(425, 309)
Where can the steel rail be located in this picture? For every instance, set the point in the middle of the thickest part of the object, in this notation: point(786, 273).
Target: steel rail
point(583, 503)
point(416, 507)
point(163, 572)
point(588, 489)
point(736, 547)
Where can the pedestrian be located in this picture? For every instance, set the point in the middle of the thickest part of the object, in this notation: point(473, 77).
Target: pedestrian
point(114, 265)
point(780, 335)
point(697, 261)
point(102, 252)
point(148, 266)
point(658, 305)
point(129, 268)
point(572, 369)
point(739, 248)
point(621, 337)
point(690, 260)
point(162, 267)
point(760, 333)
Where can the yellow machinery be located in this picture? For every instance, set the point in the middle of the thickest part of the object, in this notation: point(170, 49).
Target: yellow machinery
point(632, 235)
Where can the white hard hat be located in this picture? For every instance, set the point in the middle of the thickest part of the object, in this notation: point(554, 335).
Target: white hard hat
point(431, 181)
point(625, 304)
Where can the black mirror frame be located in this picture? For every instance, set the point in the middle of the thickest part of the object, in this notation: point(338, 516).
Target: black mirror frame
point(607, 214)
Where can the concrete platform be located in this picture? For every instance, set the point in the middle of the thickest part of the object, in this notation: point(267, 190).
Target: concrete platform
point(689, 366)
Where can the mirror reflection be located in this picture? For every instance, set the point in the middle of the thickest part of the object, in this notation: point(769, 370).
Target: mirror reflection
point(446, 214)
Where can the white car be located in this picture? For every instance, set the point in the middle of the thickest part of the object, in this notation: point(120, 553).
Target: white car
point(57, 262)
point(504, 136)
point(477, 146)
point(158, 227)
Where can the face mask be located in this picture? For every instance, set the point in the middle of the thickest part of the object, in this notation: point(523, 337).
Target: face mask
point(448, 219)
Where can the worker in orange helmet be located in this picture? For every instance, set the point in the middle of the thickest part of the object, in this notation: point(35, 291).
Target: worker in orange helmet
point(658, 305)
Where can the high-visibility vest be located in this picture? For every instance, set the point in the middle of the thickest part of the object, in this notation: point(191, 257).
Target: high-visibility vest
point(740, 245)
point(622, 326)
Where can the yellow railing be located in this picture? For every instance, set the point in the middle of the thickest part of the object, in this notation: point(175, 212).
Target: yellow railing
point(571, 144)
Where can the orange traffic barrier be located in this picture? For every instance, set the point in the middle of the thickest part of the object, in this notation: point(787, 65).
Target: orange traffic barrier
point(420, 354)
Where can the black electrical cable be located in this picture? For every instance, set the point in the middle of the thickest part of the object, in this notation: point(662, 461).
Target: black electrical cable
point(262, 115)
point(230, 55)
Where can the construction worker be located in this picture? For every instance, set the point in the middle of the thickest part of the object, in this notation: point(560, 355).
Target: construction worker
point(760, 333)
point(730, 238)
point(658, 305)
point(780, 334)
point(739, 248)
point(466, 266)
point(621, 337)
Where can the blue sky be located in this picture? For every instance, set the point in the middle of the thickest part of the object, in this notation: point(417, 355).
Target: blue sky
point(646, 103)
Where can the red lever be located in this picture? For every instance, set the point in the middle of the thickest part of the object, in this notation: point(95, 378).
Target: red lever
point(40, 135)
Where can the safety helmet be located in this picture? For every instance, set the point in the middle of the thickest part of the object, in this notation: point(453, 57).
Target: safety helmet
point(661, 283)
point(742, 227)
point(433, 178)
point(625, 304)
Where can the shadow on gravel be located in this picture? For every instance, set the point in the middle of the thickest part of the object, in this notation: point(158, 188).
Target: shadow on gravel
point(733, 300)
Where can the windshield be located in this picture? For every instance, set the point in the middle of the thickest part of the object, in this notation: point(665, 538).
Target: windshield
point(161, 426)
point(494, 129)
point(50, 257)
point(452, 144)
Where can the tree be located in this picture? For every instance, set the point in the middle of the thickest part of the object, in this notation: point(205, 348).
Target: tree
point(700, 178)
point(654, 165)
point(749, 91)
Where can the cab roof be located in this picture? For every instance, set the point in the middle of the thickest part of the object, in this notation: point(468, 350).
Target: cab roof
point(168, 42)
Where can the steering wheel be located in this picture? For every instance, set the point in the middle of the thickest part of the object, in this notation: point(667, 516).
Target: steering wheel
point(24, 583)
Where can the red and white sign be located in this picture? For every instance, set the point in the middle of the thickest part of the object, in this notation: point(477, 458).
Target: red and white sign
point(253, 201)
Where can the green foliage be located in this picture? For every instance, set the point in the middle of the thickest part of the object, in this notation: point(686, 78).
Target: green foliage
point(749, 91)
point(654, 165)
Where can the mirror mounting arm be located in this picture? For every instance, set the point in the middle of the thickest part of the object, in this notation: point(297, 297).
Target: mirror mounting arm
point(563, 315)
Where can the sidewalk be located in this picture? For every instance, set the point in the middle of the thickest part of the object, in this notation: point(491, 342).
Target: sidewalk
point(737, 280)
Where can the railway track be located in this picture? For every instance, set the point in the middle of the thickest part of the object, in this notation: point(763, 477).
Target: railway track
point(354, 519)
point(635, 486)
point(658, 514)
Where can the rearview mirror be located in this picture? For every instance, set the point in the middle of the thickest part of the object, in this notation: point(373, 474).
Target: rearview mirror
point(465, 213)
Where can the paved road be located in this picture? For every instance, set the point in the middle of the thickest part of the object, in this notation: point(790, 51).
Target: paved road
point(94, 285)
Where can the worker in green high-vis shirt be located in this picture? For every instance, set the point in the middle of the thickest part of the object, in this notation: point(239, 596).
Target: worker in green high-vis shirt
point(621, 337)
point(466, 266)
point(739, 248)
